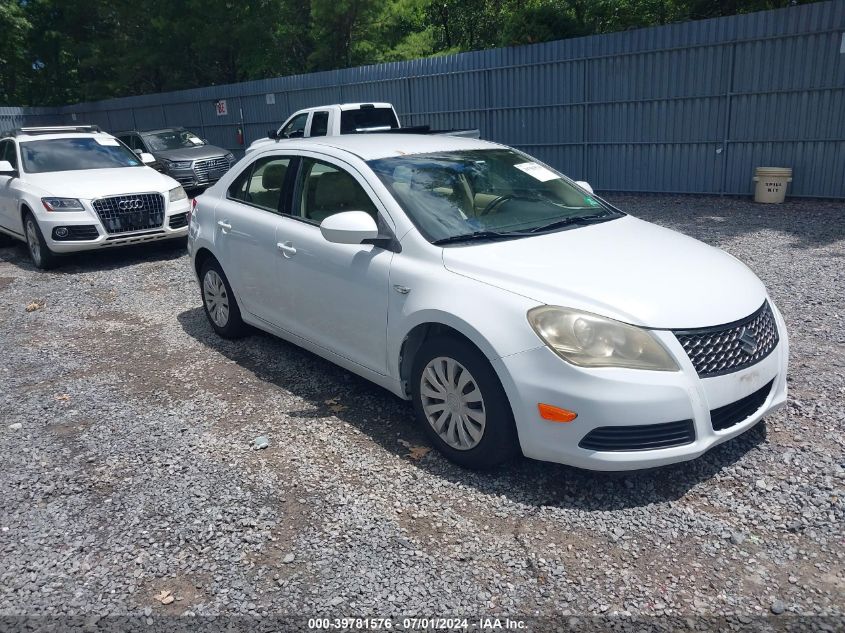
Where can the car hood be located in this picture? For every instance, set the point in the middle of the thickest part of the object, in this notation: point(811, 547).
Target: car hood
point(191, 153)
point(96, 183)
point(625, 269)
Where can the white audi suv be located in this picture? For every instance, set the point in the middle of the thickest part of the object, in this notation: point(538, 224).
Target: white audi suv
point(516, 309)
point(69, 189)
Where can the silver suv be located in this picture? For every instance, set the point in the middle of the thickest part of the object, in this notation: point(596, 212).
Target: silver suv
point(182, 155)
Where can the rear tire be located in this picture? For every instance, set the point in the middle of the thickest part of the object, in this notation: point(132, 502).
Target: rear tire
point(218, 300)
point(40, 254)
point(461, 404)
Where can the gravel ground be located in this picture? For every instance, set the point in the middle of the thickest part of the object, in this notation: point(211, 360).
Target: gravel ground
point(127, 467)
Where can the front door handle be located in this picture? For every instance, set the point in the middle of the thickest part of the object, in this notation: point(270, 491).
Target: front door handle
point(287, 248)
point(224, 225)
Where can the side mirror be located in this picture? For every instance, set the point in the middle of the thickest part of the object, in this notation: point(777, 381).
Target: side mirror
point(349, 227)
point(147, 158)
point(138, 151)
point(584, 185)
point(273, 134)
point(6, 168)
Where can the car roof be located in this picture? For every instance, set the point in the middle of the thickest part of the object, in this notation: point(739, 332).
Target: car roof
point(374, 146)
point(347, 106)
point(24, 138)
point(164, 129)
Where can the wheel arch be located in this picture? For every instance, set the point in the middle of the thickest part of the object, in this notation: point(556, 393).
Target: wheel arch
point(202, 256)
point(429, 328)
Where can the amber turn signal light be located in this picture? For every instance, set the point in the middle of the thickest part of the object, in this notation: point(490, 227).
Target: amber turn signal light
point(555, 414)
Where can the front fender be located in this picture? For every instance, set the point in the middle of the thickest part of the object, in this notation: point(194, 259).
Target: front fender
point(494, 320)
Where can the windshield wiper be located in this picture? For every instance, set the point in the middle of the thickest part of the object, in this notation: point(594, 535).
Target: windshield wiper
point(477, 235)
point(577, 219)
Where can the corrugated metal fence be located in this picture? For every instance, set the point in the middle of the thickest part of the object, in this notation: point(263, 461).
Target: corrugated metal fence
point(687, 108)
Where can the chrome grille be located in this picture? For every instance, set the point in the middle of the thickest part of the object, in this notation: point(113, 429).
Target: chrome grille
point(727, 348)
point(131, 212)
point(211, 170)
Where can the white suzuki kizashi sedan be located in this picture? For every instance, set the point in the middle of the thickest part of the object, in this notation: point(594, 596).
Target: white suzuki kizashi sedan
point(516, 309)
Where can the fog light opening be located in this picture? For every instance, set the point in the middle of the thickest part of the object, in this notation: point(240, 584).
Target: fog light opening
point(62, 231)
point(555, 414)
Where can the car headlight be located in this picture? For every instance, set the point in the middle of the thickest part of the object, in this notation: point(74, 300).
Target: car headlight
point(178, 164)
point(178, 194)
point(589, 340)
point(62, 204)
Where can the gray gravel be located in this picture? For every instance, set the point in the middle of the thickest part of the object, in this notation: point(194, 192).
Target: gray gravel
point(127, 464)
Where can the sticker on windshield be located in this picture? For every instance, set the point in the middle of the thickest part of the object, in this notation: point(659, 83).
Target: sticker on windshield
point(591, 201)
point(537, 171)
point(104, 140)
point(195, 140)
point(132, 163)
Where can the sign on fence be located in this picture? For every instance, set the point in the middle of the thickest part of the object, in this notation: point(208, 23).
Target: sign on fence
point(221, 108)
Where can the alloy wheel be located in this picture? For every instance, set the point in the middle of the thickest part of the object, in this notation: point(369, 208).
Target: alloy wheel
point(452, 403)
point(33, 241)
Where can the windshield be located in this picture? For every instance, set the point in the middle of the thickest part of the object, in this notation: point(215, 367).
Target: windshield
point(71, 154)
point(452, 194)
point(367, 119)
point(172, 139)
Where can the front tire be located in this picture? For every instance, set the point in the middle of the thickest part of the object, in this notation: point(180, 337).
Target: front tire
point(461, 404)
point(218, 300)
point(40, 254)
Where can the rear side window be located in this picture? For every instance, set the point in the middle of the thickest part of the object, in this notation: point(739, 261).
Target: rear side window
point(261, 183)
point(367, 119)
point(320, 124)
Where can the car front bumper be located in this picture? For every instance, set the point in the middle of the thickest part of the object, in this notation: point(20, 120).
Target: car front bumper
point(174, 226)
point(195, 178)
point(612, 397)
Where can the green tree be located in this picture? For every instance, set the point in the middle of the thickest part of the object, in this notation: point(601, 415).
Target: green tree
point(14, 31)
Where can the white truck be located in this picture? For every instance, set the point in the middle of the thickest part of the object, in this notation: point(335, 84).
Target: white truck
point(347, 118)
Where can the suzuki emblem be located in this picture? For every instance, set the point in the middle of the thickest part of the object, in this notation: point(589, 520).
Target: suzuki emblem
point(747, 341)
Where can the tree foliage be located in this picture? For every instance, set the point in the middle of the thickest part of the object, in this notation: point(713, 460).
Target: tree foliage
point(56, 52)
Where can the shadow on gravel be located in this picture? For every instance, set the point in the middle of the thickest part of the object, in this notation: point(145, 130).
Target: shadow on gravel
point(388, 420)
point(715, 220)
point(105, 259)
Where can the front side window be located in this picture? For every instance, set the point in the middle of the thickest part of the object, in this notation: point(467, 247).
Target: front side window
point(296, 127)
point(7, 152)
point(324, 190)
point(73, 154)
point(261, 183)
point(499, 192)
point(170, 139)
point(320, 124)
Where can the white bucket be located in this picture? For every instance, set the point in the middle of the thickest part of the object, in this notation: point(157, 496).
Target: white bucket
point(771, 184)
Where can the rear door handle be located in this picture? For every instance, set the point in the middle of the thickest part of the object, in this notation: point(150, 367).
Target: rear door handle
point(224, 225)
point(287, 248)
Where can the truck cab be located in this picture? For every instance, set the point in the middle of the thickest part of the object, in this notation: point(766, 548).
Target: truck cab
point(334, 120)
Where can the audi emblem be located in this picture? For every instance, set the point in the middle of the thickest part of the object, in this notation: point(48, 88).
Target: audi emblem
point(133, 204)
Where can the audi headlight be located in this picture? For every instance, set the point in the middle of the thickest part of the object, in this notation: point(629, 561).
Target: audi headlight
point(62, 204)
point(178, 164)
point(177, 194)
point(589, 340)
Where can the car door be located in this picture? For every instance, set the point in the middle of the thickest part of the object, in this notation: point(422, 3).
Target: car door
point(9, 189)
point(335, 294)
point(245, 230)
